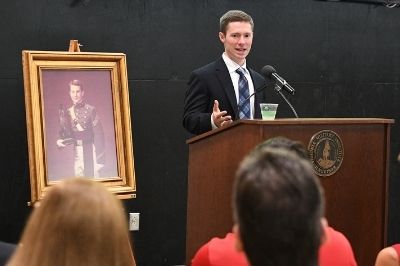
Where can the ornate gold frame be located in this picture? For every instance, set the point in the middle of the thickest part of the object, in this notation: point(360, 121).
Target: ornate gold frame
point(124, 185)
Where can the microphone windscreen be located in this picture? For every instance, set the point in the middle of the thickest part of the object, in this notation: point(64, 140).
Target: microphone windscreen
point(267, 71)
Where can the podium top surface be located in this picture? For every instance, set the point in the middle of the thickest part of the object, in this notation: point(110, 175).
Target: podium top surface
point(294, 121)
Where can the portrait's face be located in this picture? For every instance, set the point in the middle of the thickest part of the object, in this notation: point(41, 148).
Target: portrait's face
point(76, 93)
point(237, 40)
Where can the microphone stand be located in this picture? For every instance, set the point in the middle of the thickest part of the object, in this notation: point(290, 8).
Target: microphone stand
point(278, 89)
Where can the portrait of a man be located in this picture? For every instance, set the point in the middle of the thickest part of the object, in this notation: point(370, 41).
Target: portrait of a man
point(80, 134)
point(81, 127)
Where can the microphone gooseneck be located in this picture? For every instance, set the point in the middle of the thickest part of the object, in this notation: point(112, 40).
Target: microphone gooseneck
point(278, 89)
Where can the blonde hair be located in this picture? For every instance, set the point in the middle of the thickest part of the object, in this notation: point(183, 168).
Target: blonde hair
point(78, 222)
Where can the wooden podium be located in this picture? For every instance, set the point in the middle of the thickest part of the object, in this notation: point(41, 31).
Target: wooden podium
point(356, 195)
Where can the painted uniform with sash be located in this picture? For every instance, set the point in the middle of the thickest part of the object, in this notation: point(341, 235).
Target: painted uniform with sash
point(81, 127)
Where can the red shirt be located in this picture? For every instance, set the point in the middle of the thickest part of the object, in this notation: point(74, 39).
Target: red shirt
point(397, 249)
point(218, 252)
point(335, 251)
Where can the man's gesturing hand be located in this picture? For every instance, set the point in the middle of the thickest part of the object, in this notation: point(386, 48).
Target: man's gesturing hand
point(220, 118)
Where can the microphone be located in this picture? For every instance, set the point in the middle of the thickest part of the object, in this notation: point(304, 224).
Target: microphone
point(270, 72)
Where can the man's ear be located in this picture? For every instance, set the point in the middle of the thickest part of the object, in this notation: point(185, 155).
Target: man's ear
point(221, 36)
point(324, 226)
point(238, 241)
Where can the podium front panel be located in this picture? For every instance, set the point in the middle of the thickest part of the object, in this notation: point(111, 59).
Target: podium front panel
point(356, 195)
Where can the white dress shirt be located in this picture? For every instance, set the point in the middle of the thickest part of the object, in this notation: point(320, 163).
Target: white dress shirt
point(232, 67)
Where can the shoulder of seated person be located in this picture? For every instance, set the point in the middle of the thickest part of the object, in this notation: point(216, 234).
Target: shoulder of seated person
point(387, 257)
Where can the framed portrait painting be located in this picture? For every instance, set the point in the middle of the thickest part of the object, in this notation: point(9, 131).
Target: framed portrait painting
point(78, 120)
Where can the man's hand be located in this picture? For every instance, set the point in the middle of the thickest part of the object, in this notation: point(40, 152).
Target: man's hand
point(220, 119)
point(60, 143)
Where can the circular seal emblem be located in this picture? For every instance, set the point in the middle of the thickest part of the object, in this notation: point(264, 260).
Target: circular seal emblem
point(326, 152)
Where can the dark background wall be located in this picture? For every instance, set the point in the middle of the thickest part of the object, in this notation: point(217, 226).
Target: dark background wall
point(343, 59)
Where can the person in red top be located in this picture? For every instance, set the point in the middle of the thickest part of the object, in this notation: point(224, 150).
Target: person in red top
point(220, 251)
point(335, 251)
point(389, 256)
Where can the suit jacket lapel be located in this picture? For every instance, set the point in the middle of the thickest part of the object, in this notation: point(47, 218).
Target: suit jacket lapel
point(258, 97)
point(226, 83)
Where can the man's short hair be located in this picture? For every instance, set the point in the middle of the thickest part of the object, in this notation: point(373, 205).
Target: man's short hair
point(285, 143)
point(234, 16)
point(278, 206)
point(76, 82)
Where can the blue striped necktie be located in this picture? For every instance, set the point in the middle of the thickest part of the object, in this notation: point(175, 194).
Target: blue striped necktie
point(244, 103)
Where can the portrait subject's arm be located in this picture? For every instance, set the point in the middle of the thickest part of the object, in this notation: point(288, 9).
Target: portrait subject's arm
point(64, 133)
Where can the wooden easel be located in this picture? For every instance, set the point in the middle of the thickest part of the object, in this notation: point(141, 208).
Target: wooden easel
point(74, 46)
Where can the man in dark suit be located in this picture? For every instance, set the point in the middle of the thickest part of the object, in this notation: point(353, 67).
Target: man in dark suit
point(218, 92)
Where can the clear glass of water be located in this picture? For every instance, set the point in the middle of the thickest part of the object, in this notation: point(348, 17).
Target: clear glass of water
point(268, 110)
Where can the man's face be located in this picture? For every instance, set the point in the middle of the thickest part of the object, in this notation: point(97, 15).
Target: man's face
point(237, 40)
point(76, 94)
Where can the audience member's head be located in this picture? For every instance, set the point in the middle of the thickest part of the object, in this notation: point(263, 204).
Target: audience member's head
point(284, 143)
point(278, 208)
point(78, 222)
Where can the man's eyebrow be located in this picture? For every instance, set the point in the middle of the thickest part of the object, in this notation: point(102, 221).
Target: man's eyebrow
point(248, 32)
